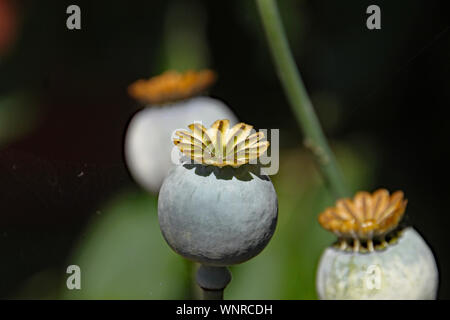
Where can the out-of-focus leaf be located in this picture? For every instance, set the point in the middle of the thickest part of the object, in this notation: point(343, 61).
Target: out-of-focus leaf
point(124, 256)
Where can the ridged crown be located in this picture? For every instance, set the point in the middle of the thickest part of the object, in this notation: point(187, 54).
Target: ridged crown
point(366, 216)
point(221, 145)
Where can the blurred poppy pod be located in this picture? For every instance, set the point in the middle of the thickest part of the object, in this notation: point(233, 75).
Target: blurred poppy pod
point(216, 208)
point(172, 101)
point(374, 258)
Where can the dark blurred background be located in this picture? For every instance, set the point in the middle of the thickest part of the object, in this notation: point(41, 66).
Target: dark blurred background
point(381, 95)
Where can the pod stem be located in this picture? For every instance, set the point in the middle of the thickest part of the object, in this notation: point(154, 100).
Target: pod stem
point(298, 97)
point(213, 281)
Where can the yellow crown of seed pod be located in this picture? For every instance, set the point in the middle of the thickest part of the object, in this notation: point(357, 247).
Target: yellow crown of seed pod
point(366, 215)
point(171, 86)
point(221, 145)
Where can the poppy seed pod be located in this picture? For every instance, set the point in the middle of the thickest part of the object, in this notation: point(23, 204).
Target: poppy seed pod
point(374, 258)
point(172, 105)
point(218, 210)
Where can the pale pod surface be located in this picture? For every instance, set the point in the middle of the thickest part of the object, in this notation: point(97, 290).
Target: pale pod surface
point(148, 143)
point(404, 270)
point(217, 216)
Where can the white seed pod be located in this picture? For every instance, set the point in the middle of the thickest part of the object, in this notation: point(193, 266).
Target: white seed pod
point(147, 140)
point(171, 104)
point(374, 258)
point(403, 270)
point(217, 215)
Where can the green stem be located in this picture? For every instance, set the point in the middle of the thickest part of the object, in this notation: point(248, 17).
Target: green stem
point(213, 281)
point(298, 97)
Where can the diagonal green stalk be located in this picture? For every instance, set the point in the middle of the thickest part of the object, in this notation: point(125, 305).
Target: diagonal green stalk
point(298, 98)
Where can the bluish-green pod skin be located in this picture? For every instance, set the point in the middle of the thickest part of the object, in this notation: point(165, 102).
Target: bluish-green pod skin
point(403, 270)
point(217, 216)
